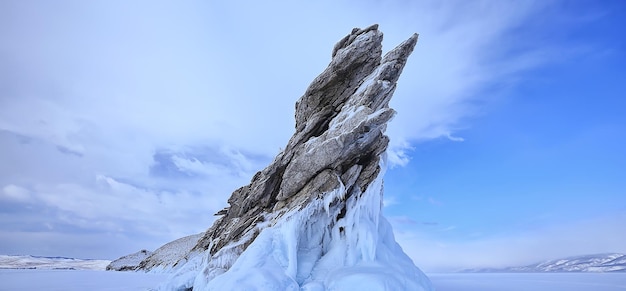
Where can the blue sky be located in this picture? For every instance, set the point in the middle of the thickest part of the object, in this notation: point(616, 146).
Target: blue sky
point(126, 125)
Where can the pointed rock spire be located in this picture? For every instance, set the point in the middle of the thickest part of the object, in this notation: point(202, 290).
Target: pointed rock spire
point(316, 209)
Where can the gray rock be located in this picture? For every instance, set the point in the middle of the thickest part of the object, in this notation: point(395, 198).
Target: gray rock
point(338, 143)
point(340, 121)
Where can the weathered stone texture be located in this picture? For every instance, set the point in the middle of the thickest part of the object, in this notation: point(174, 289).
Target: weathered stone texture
point(339, 139)
point(340, 124)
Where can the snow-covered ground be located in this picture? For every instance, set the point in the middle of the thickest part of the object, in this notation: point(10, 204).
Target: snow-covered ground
point(33, 262)
point(70, 280)
point(75, 280)
point(529, 281)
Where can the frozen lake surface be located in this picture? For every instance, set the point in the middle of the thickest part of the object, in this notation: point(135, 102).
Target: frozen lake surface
point(69, 280)
point(529, 281)
point(74, 280)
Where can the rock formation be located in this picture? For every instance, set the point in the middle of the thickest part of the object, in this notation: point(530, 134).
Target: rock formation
point(312, 219)
point(339, 138)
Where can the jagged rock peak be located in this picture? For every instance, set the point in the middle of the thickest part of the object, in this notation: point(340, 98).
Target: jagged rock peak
point(337, 135)
point(316, 209)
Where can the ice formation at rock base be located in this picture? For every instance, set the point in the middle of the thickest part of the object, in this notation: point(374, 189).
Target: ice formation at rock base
point(312, 219)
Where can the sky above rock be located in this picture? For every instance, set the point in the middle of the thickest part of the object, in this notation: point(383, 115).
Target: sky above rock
point(125, 125)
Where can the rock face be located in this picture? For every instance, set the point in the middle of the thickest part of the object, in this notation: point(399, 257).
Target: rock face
point(339, 138)
point(311, 220)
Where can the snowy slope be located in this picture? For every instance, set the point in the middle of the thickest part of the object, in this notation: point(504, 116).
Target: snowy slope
point(129, 262)
point(50, 263)
point(169, 256)
point(164, 259)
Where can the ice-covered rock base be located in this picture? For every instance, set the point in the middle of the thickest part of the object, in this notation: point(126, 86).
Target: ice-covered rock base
point(312, 219)
point(309, 250)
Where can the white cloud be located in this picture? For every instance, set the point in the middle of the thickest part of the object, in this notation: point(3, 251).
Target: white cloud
point(389, 201)
point(402, 220)
point(434, 201)
point(193, 166)
point(397, 154)
point(114, 206)
point(460, 53)
point(15, 193)
point(590, 236)
point(175, 86)
point(100, 89)
point(454, 138)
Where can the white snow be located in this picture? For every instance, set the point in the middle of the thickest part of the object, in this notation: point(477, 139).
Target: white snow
point(529, 281)
point(165, 257)
point(77, 280)
point(129, 262)
point(50, 263)
point(71, 280)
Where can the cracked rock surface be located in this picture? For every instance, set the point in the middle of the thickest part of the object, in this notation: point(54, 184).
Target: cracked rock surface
point(340, 124)
point(334, 156)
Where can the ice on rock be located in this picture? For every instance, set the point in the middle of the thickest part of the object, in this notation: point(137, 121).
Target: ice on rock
point(305, 251)
point(312, 219)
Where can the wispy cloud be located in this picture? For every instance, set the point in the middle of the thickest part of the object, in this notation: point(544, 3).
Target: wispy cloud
point(111, 96)
point(112, 206)
point(389, 201)
point(402, 220)
point(590, 236)
point(15, 193)
point(454, 138)
point(434, 201)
